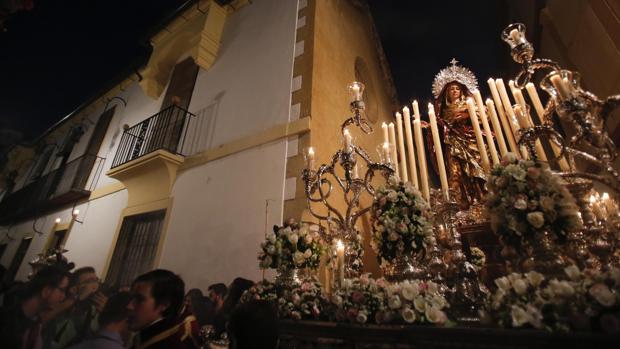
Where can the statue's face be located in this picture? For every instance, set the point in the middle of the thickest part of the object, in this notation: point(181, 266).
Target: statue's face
point(454, 92)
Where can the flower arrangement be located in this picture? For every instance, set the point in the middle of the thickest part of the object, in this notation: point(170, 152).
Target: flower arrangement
point(401, 222)
point(525, 198)
point(354, 253)
point(365, 300)
point(361, 300)
point(291, 246)
point(587, 300)
point(302, 301)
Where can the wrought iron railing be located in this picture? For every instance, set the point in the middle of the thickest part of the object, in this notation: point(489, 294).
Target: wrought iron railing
point(68, 183)
point(165, 130)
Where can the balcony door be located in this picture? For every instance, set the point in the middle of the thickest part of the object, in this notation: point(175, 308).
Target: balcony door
point(167, 128)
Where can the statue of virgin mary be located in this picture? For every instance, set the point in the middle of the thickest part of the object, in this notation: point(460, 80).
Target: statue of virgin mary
point(466, 178)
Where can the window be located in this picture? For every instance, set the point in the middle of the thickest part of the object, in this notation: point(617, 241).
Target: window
point(19, 258)
point(136, 247)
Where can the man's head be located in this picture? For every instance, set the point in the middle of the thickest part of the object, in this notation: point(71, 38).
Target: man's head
point(86, 281)
point(253, 325)
point(155, 295)
point(114, 316)
point(217, 294)
point(49, 285)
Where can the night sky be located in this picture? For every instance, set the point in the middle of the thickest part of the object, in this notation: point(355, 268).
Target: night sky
point(57, 55)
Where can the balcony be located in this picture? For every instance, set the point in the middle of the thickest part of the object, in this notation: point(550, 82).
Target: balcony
point(149, 155)
point(66, 184)
point(166, 130)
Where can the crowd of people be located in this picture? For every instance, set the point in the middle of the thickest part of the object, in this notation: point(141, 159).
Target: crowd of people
point(60, 309)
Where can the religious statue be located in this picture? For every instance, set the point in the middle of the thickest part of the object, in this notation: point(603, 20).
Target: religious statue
point(466, 177)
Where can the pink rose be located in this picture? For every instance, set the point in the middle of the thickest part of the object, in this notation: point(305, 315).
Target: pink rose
point(357, 297)
point(533, 172)
point(352, 314)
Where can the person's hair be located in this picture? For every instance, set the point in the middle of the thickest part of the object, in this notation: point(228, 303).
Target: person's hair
point(219, 289)
point(47, 277)
point(115, 309)
point(237, 287)
point(166, 287)
point(83, 270)
point(202, 308)
point(254, 325)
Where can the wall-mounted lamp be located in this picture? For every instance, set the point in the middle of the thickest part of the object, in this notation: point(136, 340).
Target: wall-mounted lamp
point(75, 214)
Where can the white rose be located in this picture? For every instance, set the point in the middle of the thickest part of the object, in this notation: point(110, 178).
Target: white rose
point(534, 278)
point(520, 204)
point(394, 302)
point(271, 237)
point(561, 288)
point(536, 219)
point(336, 299)
point(362, 317)
point(546, 203)
point(409, 291)
point(503, 283)
point(519, 316)
point(271, 249)
point(602, 294)
point(535, 316)
point(408, 315)
point(520, 286)
point(293, 239)
point(434, 315)
point(393, 236)
point(392, 196)
point(420, 304)
point(573, 272)
point(308, 254)
point(497, 298)
point(308, 239)
point(286, 231)
point(298, 258)
point(432, 287)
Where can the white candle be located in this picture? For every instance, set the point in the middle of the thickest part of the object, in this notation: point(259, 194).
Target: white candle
point(340, 259)
point(410, 153)
point(497, 128)
point(438, 152)
point(521, 123)
point(512, 121)
point(476, 125)
point(347, 141)
point(387, 153)
point(486, 127)
point(393, 149)
point(540, 151)
point(422, 160)
point(419, 143)
point(561, 88)
point(310, 158)
point(505, 124)
point(401, 149)
point(540, 110)
point(357, 96)
point(386, 138)
point(518, 95)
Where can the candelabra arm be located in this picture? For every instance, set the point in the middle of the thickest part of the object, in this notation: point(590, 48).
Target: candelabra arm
point(609, 105)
